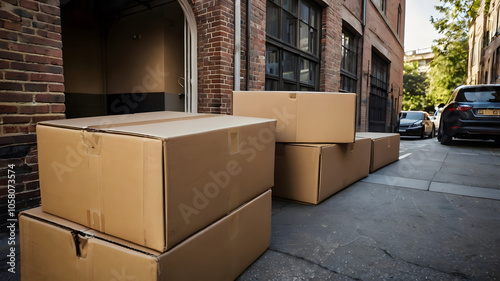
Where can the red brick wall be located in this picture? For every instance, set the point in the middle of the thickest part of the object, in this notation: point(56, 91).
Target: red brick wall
point(215, 24)
point(331, 35)
point(31, 90)
point(258, 46)
point(379, 36)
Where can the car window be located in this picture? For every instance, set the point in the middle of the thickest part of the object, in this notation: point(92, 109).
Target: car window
point(412, 115)
point(478, 96)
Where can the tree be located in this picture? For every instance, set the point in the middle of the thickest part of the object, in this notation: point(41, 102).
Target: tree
point(415, 85)
point(451, 51)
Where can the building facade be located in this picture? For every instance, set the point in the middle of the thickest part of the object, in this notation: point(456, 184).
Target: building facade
point(77, 58)
point(484, 45)
point(422, 56)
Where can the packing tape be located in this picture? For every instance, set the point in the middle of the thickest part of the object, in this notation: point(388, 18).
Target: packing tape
point(290, 113)
point(95, 220)
point(137, 123)
point(234, 141)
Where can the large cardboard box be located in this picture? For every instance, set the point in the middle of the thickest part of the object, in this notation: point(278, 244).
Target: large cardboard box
point(303, 117)
point(153, 178)
point(385, 148)
point(310, 173)
point(56, 249)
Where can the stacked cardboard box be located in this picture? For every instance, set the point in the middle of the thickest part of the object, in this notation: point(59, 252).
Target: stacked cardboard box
point(156, 188)
point(317, 153)
point(384, 148)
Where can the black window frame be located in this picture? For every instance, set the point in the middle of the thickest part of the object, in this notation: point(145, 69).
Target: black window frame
point(400, 11)
point(346, 74)
point(282, 48)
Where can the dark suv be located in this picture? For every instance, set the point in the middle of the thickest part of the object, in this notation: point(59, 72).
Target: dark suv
point(472, 112)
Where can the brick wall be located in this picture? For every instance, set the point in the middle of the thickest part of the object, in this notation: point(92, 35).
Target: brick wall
point(331, 35)
point(31, 90)
point(215, 24)
point(380, 37)
point(257, 71)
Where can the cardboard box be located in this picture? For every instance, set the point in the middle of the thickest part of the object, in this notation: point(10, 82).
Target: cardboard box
point(153, 178)
point(303, 117)
point(56, 249)
point(385, 148)
point(310, 173)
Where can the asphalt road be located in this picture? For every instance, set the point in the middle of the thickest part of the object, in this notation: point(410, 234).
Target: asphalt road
point(432, 215)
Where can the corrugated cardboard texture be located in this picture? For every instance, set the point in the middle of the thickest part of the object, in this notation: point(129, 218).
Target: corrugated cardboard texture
point(56, 249)
point(311, 173)
point(155, 178)
point(303, 117)
point(385, 148)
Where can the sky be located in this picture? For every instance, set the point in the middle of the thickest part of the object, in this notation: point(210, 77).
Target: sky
point(419, 32)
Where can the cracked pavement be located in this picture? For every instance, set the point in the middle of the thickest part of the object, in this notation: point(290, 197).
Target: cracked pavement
point(374, 231)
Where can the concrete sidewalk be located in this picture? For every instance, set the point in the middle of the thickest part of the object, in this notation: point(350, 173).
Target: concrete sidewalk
point(406, 221)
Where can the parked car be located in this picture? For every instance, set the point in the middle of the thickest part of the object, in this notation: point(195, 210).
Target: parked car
point(436, 118)
point(471, 112)
point(415, 123)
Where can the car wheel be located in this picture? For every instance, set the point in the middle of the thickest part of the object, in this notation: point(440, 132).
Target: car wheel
point(422, 136)
point(433, 133)
point(445, 138)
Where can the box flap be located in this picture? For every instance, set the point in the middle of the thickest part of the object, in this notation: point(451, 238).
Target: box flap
point(108, 120)
point(42, 246)
point(57, 249)
point(165, 124)
point(39, 215)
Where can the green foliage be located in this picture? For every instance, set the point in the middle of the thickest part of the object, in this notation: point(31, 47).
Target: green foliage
point(451, 51)
point(415, 85)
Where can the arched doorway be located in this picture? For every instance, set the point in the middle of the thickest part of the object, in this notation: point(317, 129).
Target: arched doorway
point(128, 56)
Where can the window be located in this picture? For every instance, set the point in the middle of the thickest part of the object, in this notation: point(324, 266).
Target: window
point(378, 94)
point(348, 62)
point(292, 45)
point(399, 19)
point(382, 4)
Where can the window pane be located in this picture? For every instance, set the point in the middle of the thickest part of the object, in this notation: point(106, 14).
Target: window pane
point(313, 41)
point(307, 71)
point(289, 29)
point(272, 60)
point(272, 19)
point(304, 12)
point(349, 53)
point(290, 5)
point(313, 22)
point(347, 84)
point(289, 66)
point(289, 87)
point(304, 37)
point(271, 85)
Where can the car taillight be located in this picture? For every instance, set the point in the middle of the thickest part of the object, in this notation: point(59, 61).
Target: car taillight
point(461, 108)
